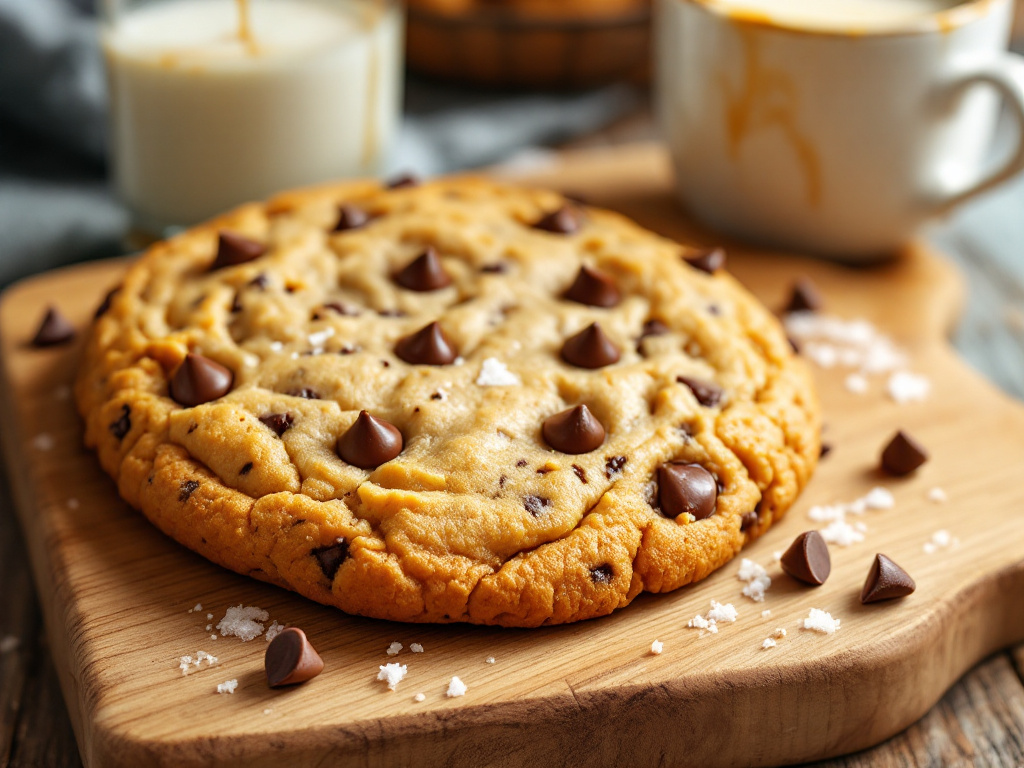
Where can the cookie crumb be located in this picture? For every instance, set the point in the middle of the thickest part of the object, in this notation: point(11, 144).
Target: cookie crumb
point(227, 687)
point(937, 496)
point(9, 643)
point(779, 633)
point(213, 637)
point(768, 643)
point(756, 578)
point(394, 648)
point(941, 539)
point(415, 647)
point(842, 533)
point(856, 383)
point(209, 627)
point(243, 622)
point(718, 613)
point(419, 697)
point(821, 621)
point(657, 647)
point(209, 616)
point(273, 631)
point(879, 498)
point(393, 674)
point(905, 387)
point(43, 442)
point(494, 373)
point(766, 613)
point(268, 711)
point(195, 609)
point(490, 660)
point(456, 688)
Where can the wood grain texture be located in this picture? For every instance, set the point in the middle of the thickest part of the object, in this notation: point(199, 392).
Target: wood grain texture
point(116, 592)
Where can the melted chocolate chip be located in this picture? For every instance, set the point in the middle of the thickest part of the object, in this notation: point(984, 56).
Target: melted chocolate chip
point(404, 181)
point(575, 430)
point(804, 297)
point(593, 288)
point(748, 521)
point(331, 557)
point(186, 489)
point(603, 574)
point(521, 463)
point(807, 559)
point(710, 260)
point(903, 455)
point(580, 472)
point(199, 380)
point(590, 348)
point(536, 505)
point(614, 466)
point(261, 281)
point(391, 313)
point(707, 393)
point(246, 468)
point(424, 273)
point(236, 304)
point(337, 308)
point(304, 392)
point(654, 327)
point(826, 449)
point(499, 268)
point(563, 221)
point(122, 425)
point(428, 346)
point(370, 442)
point(234, 249)
point(351, 217)
point(54, 329)
point(686, 488)
point(886, 581)
point(104, 306)
point(290, 659)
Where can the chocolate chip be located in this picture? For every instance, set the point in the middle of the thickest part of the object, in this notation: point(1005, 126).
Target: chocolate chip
point(793, 345)
point(707, 393)
point(807, 559)
point(424, 273)
point(54, 329)
point(186, 489)
point(804, 297)
point(748, 521)
point(246, 468)
point(521, 463)
point(261, 281)
point(903, 455)
point(391, 313)
point(337, 308)
point(536, 505)
point(710, 260)
point(404, 181)
point(428, 346)
point(614, 465)
point(499, 268)
point(234, 249)
point(104, 306)
point(574, 430)
point(370, 442)
point(593, 288)
point(581, 473)
point(290, 659)
point(122, 425)
point(304, 392)
point(886, 581)
point(331, 557)
point(199, 380)
point(686, 488)
point(236, 304)
point(602, 574)
point(590, 348)
point(826, 449)
point(351, 217)
point(654, 327)
point(563, 221)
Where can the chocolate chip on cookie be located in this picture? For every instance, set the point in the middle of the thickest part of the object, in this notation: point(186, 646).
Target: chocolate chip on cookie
point(199, 380)
point(186, 489)
point(804, 296)
point(686, 488)
point(306, 393)
point(807, 559)
point(903, 455)
point(53, 330)
point(575, 430)
point(590, 348)
point(424, 273)
point(279, 422)
point(614, 465)
point(886, 581)
point(331, 557)
point(108, 299)
point(563, 221)
point(350, 217)
point(593, 288)
point(122, 425)
point(603, 574)
point(536, 505)
point(707, 393)
point(710, 260)
point(428, 346)
point(580, 472)
point(748, 521)
point(404, 181)
point(370, 442)
point(654, 327)
point(337, 308)
point(234, 249)
point(291, 659)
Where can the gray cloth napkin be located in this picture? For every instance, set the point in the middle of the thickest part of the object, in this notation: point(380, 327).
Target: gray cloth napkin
point(56, 206)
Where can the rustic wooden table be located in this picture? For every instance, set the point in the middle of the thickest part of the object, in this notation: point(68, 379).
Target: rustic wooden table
point(980, 721)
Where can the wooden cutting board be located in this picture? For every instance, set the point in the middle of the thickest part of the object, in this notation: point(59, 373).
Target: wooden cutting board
point(117, 593)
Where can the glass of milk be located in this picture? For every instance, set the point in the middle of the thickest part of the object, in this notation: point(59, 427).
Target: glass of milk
point(219, 102)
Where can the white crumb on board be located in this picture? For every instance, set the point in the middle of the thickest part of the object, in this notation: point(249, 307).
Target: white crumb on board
point(196, 608)
point(273, 631)
point(227, 687)
point(415, 647)
point(941, 539)
point(779, 633)
point(392, 674)
point(839, 530)
point(766, 613)
point(456, 688)
point(856, 383)
point(906, 387)
point(768, 643)
point(189, 664)
point(937, 496)
point(489, 660)
point(820, 621)
point(43, 442)
point(831, 342)
point(394, 648)
point(244, 622)
point(419, 697)
point(657, 647)
point(756, 579)
point(494, 373)
point(718, 614)
point(9, 643)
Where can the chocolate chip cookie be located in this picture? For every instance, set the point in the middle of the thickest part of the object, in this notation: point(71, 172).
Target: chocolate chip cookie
point(457, 401)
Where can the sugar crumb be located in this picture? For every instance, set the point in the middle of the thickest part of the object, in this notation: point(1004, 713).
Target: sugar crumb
point(856, 383)
point(227, 687)
point(189, 664)
point(9, 643)
point(209, 627)
point(456, 688)
point(415, 647)
point(419, 697)
point(243, 622)
point(274, 630)
point(393, 674)
point(213, 637)
point(394, 648)
point(880, 498)
point(941, 539)
point(937, 496)
point(842, 533)
point(494, 373)
point(718, 613)
point(268, 711)
point(779, 633)
point(905, 387)
point(766, 613)
point(195, 609)
point(657, 647)
point(756, 578)
point(821, 621)
point(489, 660)
point(768, 643)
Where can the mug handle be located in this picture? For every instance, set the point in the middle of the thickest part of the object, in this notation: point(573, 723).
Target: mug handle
point(1006, 76)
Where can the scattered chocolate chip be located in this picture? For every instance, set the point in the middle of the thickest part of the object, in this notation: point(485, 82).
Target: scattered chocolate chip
point(714, 310)
point(602, 574)
point(403, 181)
point(428, 346)
point(186, 489)
point(351, 217)
point(290, 659)
point(499, 268)
point(590, 348)
point(903, 455)
point(337, 308)
point(192, 427)
point(234, 249)
point(748, 521)
point(261, 281)
point(236, 304)
point(279, 422)
point(54, 329)
point(536, 505)
point(370, 442)
point(563, 221)
point(122, 425)
point(424, 273)
point(654, 327)
point(710, 260)
point(331, 557)
point(807, 559)
point(574, 430)
point(686, 488)
point(246, 468)
point(886, 581)
point(614, 466)
point(304, 392)
point(199, 380)
point(385, 363)
point(104, 306)
point(581, 473)
point(521, 463)
point(593, 288)
point(544, 470)
point(804, 297)
point(826, 449)
point(707, 393)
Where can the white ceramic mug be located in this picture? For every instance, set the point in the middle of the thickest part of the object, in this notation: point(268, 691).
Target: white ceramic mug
point(836, 141)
